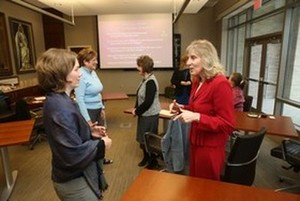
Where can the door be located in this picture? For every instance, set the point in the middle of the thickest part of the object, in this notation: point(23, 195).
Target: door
point(263, 65)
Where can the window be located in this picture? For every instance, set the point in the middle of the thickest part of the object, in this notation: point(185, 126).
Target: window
point(289, 93)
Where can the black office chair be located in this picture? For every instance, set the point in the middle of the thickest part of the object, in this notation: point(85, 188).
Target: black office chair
point(248, 103)
point(289, 151)
point(154, 149)
point(6, 112)
point(240, 167)
point(23, 113)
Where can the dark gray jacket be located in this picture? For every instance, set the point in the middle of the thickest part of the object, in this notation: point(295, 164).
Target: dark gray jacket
point(74, 153)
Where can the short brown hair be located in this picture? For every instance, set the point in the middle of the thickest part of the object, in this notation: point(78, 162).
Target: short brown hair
point(52, 68)
point(86, 54)
point(238, 80)
point(146, 63)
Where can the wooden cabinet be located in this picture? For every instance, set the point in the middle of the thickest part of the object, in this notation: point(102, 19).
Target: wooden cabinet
point(19, 93)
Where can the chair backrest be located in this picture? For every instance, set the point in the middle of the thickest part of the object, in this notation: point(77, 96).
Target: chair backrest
point(153, 143)
point(292, 153)
point(289, 151)
point(240, 167)
point(22, 110)
point(248, 103)
point(4, 103)
point(6, 112)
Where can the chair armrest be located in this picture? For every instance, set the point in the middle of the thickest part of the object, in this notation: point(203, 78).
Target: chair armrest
point(36, 112)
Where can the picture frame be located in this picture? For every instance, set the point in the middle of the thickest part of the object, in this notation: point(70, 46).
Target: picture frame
point(5, 57)
point(77, 48)
point(23, 45)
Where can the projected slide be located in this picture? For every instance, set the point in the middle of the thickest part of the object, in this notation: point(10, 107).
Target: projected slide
point(123, 38)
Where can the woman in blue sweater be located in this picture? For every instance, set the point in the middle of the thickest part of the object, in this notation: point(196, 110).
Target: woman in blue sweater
point(88, 94)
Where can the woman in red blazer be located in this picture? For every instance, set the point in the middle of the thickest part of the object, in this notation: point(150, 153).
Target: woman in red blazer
point(210, 111)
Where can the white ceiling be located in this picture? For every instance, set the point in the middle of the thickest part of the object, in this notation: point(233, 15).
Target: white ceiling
point(95, 7)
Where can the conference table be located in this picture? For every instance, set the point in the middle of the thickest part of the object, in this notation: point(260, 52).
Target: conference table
point(12, 133)
point(37, 101)
point(154, 185)
point(276, 124)
point(118, 95)
point(252, 122)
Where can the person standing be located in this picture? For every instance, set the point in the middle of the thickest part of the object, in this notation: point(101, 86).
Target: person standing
point(75, 172)
point(237, 83)
point(147, 107)
point(210, 111)
point(88, 94)
point(181, 81)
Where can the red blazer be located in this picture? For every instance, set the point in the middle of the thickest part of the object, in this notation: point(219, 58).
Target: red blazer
point(214, 101)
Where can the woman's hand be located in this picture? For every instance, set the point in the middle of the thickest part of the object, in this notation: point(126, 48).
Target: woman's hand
point(187, 116)
point(107, 142)
point(133, 112)
point(175, 107)
point(185, 83)
point(98, 131)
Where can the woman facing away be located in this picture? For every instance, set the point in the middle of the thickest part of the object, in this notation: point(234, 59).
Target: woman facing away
point(181, 80)
point(75, 171)
point(237, 83)
point(210, 111)
point(147, 107)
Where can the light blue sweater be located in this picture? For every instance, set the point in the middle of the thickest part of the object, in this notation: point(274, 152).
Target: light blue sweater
point(88, 94)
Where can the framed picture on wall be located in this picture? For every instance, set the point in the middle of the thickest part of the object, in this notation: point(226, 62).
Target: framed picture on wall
point(5, 59)
point(23, 45)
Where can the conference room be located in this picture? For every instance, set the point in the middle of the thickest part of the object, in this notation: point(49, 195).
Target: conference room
point(259, 39)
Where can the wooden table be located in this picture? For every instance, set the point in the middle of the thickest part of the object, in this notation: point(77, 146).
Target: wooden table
point(12, 133)
point(114, 96)
point(281, 126)
point(153, 185)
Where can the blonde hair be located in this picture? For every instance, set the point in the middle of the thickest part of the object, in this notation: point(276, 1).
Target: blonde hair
point(209, 58)
point(52, 68)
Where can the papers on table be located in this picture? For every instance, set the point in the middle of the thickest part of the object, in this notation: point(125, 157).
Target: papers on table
point(166, 113)
point(39, 98)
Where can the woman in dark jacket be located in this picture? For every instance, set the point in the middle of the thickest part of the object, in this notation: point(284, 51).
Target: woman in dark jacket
point(75, 171)
point(181, 81)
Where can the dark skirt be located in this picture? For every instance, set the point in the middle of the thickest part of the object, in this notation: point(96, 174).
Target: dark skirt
point(95, 115)
point(146, 124)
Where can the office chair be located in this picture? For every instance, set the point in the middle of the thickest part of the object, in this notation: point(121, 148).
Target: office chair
point(248, 103)
point(6, 112)
point(289, 151)
point(153, 148)
point(240, 167)
point(23, 113)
